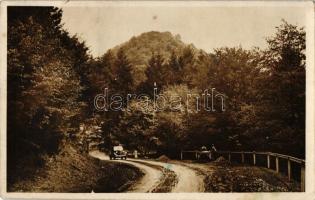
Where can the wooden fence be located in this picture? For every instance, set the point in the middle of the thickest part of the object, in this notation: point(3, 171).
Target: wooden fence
point(240, 155)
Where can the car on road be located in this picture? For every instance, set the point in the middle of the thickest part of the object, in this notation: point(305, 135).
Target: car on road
point(204, 154)
point(118, 152)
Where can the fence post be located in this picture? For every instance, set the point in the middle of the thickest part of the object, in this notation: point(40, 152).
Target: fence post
point(289, 169)
point(196, 155)
point(229, 157)
point(243, 157)
point(268, 160)
point(181, 155)
point(277, 164)
point(302, 177)
point(254, 158)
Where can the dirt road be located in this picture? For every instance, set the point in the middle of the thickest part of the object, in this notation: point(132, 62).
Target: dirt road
point(147, 183)
point(187, 179)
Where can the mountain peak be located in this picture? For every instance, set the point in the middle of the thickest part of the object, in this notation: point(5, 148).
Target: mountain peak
point(139, 48)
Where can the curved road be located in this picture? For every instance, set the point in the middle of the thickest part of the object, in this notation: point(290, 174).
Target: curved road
point(188, 179)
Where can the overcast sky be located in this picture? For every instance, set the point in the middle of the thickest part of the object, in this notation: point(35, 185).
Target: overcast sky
point(206, 27)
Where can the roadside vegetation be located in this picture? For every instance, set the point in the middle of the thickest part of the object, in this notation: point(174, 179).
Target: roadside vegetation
point(223, 176)
point(70, 171)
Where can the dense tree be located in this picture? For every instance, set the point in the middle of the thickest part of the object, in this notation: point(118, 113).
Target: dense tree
point(174, 68)
point(187, 63)
point(156, 73)
point(115, 74)
point(232, 72)
point(137, 125)
point(44, 87)
point(123, 80)
point(281, 111)
point(173, 117)
point(101, 75)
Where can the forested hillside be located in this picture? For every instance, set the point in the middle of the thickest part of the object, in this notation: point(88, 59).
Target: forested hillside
point(52, 83)
point(265, 90)
point(139, 50)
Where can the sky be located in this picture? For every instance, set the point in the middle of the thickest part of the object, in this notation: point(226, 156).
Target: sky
point(206, 27)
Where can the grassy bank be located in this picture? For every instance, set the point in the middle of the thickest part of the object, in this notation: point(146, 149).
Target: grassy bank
point(248, 179)
point(226, 177)
point(70, 171)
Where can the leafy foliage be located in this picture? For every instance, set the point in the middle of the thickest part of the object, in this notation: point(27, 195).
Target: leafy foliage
point(265, 92)
point(44, 87)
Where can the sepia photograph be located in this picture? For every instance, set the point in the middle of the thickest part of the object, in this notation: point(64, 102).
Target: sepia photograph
point(157, 97)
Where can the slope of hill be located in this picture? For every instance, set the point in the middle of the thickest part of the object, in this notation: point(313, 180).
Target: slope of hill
point(139, 50)
point(72, 171)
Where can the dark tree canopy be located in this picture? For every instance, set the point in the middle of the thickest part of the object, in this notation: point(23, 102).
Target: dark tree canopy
point(44, 84)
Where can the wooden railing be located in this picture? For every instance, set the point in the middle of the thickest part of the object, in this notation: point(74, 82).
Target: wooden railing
point(241, 158)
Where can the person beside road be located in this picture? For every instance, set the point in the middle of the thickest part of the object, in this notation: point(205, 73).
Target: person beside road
point(213, 151)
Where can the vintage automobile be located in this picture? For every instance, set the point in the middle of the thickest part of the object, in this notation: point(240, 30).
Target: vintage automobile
point(203, 154)
point(118, 152)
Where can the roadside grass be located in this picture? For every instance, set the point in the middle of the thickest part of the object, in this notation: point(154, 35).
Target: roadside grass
point(167, 183)
point(73, 172)
point(223, 177)
point(247, 179)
